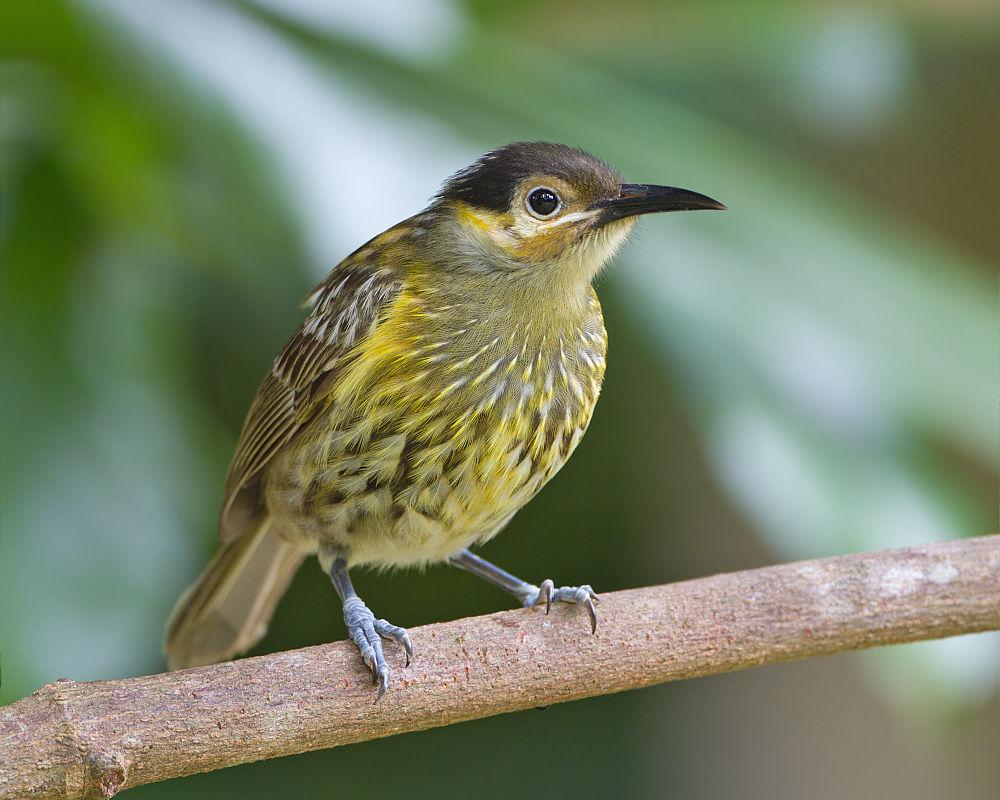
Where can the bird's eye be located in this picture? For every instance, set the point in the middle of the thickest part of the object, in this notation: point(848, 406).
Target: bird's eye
point(543, 202)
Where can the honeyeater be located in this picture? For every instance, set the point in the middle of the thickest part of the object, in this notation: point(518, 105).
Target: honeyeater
point(445, 372)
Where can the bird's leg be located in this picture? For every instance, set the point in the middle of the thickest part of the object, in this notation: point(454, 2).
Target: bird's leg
point(365, 630)
point(527, 593)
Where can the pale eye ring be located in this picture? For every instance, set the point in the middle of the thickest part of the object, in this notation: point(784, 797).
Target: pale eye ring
point(543, 202)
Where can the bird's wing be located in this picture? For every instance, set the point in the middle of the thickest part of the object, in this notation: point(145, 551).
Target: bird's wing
point(345, 309)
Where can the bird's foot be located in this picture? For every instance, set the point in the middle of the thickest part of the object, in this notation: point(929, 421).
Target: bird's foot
point(367, 632)
point(548, 594)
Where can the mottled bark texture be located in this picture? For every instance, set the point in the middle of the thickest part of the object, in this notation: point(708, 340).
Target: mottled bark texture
point(72, 740)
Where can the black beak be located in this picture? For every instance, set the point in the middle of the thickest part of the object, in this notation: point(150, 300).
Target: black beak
point(644, 198)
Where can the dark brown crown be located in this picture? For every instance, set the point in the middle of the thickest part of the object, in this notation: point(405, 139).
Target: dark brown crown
point(492, 181)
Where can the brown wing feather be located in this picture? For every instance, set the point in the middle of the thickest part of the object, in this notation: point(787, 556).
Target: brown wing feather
point(346, 307)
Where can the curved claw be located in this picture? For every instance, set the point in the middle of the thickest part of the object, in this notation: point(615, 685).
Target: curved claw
point(398, 635)
point(382, 679)
point(545, 592)
point(589, 603)
point(585, 596)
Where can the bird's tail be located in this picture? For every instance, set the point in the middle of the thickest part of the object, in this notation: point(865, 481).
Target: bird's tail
point(226, 611)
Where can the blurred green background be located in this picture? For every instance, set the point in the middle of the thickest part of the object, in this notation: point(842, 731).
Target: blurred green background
point(812, 373)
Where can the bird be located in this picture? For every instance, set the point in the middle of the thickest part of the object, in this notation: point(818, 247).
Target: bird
point(444, 373)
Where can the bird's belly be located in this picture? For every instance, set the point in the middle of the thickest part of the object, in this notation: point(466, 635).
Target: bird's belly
point(391, 488)
point(432, 438)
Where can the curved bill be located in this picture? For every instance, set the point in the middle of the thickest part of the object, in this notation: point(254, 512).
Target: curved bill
point(645, 198)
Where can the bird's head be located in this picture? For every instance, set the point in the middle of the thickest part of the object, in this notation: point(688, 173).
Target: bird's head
point(542, 207)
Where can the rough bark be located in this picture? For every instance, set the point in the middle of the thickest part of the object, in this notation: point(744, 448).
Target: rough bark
point(74, 740)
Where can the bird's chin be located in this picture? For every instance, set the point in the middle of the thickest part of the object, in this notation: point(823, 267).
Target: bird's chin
point(605, 241)
point(595, 249)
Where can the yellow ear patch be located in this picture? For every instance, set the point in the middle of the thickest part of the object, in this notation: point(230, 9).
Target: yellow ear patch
point(485, 221)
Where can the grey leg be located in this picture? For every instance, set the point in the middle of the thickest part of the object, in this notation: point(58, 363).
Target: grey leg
point(366, 631)
point(528, 594)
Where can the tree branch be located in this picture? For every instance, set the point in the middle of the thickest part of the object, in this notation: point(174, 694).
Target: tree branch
point(73, 740)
